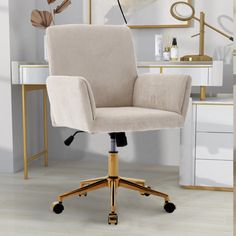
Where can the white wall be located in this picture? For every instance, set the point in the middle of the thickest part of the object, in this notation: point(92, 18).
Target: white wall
point(6, 143)
point(235, 90)
point(153, 147)
point(17, 42)
point(73, 14)
point(24, 48)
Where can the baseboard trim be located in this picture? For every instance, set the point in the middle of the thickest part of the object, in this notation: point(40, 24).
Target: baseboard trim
point(208, 188)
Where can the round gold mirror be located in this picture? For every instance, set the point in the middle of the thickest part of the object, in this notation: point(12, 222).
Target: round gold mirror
point(182, 11)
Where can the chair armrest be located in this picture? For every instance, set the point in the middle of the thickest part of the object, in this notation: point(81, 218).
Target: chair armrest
point(72, 102)
point(163, 92)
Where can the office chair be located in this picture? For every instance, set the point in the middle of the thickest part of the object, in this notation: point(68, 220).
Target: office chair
point(94, 87)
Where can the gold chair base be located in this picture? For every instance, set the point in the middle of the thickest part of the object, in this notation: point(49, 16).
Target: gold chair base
point(113, 181)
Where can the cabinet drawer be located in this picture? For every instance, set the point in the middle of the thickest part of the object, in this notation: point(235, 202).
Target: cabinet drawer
point(215, 118)
point(215, 146)
point(214, 173)
point(143, 70)
point(200, 76)
point(34, 75)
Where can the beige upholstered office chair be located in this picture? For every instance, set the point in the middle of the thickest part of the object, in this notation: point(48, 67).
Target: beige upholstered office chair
point(94, 87)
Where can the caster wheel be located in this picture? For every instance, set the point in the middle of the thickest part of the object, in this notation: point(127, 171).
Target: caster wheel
point(83, 195)
point(57, 207)
point(113, 219)
point(146, 194)
point(169, 207)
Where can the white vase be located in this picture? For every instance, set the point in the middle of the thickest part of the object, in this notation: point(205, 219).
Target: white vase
point(45, 48)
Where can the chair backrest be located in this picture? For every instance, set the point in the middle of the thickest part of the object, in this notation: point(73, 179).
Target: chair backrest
point(104, 55)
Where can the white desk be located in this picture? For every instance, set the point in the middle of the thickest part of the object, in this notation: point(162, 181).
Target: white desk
point(204, 74)
point(31, 78)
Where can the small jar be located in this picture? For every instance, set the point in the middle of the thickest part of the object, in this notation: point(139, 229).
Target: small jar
point(166, 54)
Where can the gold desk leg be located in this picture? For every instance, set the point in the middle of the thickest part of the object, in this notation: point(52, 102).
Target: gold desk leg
point(25, 89)
point(24, 123)
point(203, 93)
point(45, 127)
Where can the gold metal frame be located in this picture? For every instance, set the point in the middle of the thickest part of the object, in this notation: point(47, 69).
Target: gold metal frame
point(112, 181)
point(27, 159)
point(188, 24)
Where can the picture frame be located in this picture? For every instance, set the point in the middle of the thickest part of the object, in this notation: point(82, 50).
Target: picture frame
point(145, 13)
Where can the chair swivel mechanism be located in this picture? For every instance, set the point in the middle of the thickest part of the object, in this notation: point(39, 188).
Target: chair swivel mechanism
point(94, 87)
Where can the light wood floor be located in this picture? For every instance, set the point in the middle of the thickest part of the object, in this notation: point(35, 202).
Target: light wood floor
point(24, 205)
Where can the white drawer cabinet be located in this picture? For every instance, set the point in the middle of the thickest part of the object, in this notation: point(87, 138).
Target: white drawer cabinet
point(214, 146)
point(214, 173)
point(214, 118)
point(207, 145)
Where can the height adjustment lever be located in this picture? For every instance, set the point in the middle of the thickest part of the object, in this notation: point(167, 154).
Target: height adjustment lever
point(69, 140)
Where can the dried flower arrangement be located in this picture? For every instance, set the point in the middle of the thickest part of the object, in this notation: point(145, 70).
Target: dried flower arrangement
point(43, 19)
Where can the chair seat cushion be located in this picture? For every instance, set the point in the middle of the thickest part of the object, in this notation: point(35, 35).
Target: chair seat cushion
point(121, 119)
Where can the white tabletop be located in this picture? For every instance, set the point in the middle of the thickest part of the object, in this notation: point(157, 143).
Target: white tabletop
point(174, 63)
